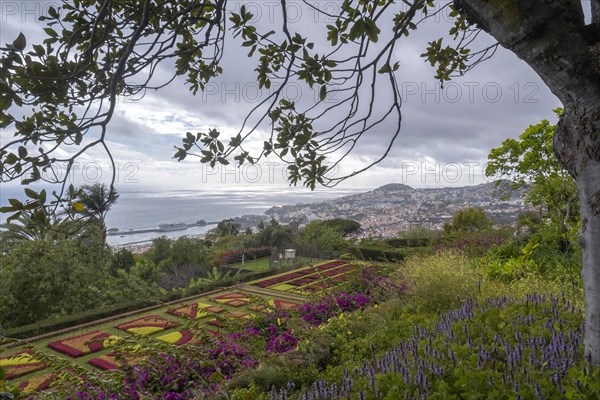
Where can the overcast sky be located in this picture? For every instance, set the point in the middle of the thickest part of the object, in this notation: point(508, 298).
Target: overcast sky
point(445, 132)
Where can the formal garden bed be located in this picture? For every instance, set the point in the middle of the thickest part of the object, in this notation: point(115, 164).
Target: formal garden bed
point(217, 315)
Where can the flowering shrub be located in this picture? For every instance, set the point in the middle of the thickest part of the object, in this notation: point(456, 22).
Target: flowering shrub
point(173, 377)
point(499, 348)
point(328, 306)
point(282, 342)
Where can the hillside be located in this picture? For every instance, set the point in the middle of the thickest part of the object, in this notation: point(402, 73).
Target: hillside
point(394, 207)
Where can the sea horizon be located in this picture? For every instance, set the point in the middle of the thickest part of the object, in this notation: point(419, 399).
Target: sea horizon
point(146, 208)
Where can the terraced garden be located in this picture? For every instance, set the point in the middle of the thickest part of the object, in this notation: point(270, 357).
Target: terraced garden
point(214, 313)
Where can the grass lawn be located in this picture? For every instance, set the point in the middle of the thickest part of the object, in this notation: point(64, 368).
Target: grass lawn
point(258, 265)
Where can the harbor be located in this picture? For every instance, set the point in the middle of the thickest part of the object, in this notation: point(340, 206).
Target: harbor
point(178, 226)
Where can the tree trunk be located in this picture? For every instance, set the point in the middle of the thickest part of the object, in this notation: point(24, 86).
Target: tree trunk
point(552, 38)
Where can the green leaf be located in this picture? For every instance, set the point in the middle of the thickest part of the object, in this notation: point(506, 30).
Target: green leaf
point(22, 152)
point(323, 92)
point(20, 42)
point(51, 32)
point(15, 203)
point(385, 68)
point(13, 217)
point(31, 193)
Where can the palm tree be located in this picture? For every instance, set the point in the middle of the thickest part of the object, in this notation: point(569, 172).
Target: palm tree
point(35, 224)
point(97, 199)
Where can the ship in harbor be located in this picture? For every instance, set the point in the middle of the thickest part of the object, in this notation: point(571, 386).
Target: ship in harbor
point(178, 226)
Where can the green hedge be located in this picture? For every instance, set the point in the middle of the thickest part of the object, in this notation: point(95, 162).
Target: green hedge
point(54, 324)
point(373, 253)
point(408, 242)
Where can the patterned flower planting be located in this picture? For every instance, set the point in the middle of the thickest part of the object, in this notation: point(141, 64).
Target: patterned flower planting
point(282, 287)
point(106, 362)
point(304, 281)
point(283, 304)
point(232, 316)
point(216, 322)
point(236, 314)
point(195, 310)
point(177, 338)
point(83, 344)
point(109, 361)
point(147, 325)
point(20, 364)
point(232, 299)
point(35, 384)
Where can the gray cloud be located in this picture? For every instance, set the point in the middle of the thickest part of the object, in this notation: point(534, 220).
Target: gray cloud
point(459, 123)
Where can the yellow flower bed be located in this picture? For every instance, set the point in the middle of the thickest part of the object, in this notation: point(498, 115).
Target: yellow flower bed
point(145, 330)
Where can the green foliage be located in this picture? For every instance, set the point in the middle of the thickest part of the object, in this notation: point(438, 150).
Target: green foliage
point(228, 228)
point(440, 281)
point(173, 263)
point(468, 220)
point(40, 279)
point(122, 259)
point(378, 253)
point(346, 226)
point(324, 237)
point(530, 163)
point(280, 236)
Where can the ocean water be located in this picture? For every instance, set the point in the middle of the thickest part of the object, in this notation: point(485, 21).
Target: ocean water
point(149, 208)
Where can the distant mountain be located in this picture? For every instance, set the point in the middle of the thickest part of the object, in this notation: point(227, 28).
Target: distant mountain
point(393, 187)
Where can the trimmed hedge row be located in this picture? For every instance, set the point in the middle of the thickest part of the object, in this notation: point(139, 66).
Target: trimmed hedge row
point(408, 242)
point(372, 253)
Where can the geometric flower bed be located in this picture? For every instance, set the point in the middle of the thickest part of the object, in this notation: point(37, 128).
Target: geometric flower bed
point(106, 362)
point(21, 363)
point(38, 383)
point(195, 310)
point(177, 338)
point(83, 344)
point(231, 316)
point(309, 280)
point(283, 304)
point(232, 299)
point(109, 361)
point(147, 325)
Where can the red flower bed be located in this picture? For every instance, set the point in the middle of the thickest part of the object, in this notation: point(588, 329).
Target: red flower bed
point(284, 278)
point(147, 325)
point(337, 271)
point(331, 264)
point(80, 345)
point(21, 363)
point(307, 271)
point(108, 362)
